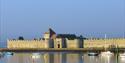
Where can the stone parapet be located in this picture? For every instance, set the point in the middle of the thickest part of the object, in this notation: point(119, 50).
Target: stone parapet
point(119, 42)
point(27, 44)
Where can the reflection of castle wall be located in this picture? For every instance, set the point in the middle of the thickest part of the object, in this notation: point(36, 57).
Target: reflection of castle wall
point(64, 58)
point(27, 44)
point(104, 43)
point(46, 58)
point(15, 59)
point(58, 57)
point(73, 58)
point(51, 58)
point(19, 58)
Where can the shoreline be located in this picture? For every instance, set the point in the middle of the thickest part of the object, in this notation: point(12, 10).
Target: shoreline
point(61, 50)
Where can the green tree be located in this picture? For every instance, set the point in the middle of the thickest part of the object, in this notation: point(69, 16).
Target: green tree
point(20, 38)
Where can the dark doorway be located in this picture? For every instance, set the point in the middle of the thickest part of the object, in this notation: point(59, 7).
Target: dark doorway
point(58, 45)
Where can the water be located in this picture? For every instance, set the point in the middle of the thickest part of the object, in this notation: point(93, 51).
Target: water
point(59, 57)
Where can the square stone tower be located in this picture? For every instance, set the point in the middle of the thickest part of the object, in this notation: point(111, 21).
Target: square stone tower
point(49, 37)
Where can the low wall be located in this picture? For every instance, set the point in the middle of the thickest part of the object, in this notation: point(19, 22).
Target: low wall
point(104, 43)
point(27, 44)
point(96, 43)
point(72, 43)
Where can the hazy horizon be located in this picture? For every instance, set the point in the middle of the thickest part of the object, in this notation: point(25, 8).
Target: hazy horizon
point(31, 18)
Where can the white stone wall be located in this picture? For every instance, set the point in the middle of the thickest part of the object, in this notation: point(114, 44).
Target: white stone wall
point(104, 43)
point(72, 43)
point(58, 41)
point(27, 44)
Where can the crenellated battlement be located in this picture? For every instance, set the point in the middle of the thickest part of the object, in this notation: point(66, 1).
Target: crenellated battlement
point(106, 39)
point(51, 40)
point(26, 40)
point(120, 42)
point(27, 44)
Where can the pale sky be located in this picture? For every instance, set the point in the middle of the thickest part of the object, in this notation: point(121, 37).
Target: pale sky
point(31, 18)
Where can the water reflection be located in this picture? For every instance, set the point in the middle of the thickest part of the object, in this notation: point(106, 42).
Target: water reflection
point(106, 59)
point(35, 56)
point(59, 57)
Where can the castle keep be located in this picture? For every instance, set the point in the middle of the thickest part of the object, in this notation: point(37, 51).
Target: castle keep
point(53, 40)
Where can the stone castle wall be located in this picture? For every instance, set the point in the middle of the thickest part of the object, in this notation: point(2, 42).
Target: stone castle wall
point(104, 43)
point(72, 43)
point(42, 44)
point(57, 42)
point(94, 43)
point(27, 44)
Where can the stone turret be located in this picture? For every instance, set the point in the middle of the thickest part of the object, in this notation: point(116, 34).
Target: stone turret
point(49, 37)
point(46, 36)
point(50, 34)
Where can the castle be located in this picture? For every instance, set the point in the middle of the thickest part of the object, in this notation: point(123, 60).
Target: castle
point(53, 40)
point(50, 40)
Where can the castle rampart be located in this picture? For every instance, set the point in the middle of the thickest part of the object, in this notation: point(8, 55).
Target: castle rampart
point(27, 44)
point(119, 42)
point(53, 40)
point(72, 43)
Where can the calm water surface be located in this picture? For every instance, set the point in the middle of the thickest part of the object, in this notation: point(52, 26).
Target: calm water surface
point(59, 57)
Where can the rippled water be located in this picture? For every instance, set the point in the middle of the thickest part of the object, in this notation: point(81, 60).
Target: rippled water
point(59, 57)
